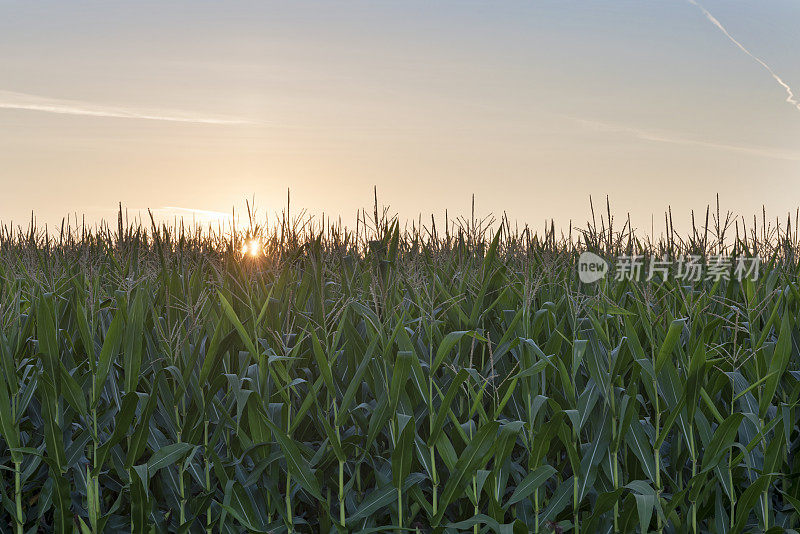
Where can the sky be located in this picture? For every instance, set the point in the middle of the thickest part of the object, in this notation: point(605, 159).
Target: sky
point(190, 108)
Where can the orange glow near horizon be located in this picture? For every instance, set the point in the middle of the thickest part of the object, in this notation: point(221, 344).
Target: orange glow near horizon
point(251, 248)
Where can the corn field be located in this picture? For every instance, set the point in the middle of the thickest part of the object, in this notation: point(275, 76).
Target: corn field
point(388, 379)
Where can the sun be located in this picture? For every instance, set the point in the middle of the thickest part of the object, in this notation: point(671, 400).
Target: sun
point(251, 248)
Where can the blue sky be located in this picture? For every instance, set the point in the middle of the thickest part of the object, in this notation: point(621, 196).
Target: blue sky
point(532, 106)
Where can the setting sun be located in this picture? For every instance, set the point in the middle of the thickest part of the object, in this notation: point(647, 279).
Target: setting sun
point(251, 248)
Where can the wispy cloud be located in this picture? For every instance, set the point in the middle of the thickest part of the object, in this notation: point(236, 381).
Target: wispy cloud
point(24, 101)
point(790, 98)
point(677, 139)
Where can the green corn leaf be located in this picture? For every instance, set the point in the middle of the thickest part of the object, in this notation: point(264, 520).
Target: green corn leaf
point(723, 439)
point(237, 324)
point(403, 454)
point(108, 353)
point(323, 364)
point(297, 464)
point(694, 382)
point(747, 500)
point(402, 368)
point(444, 408)
point(72, 390)
point(669, 343)
point(777, 366)
point(448, 343)
point(530, 483)
point(469, 461)
point(167, 456)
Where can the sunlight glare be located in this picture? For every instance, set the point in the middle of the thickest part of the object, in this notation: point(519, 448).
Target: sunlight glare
point(251, 248)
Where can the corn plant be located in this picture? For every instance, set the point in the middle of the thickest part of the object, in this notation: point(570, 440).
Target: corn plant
point(460, 379)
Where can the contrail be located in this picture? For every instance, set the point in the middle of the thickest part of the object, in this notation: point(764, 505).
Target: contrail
point(790, 98)
point(677, 139)
point(23, 101)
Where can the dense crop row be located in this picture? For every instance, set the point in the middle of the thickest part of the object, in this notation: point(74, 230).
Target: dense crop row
point(335, 383)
